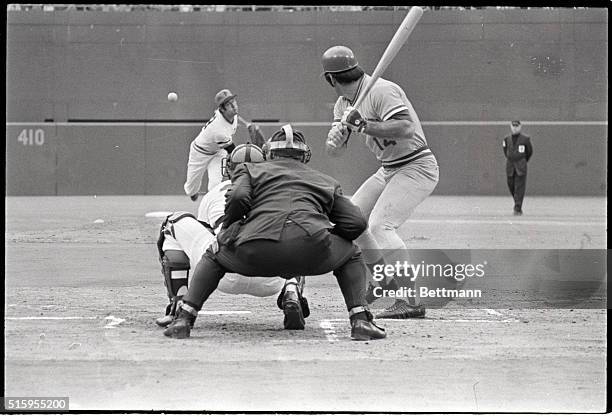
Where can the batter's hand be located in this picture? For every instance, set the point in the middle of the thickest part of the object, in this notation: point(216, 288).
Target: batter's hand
point(353, 119)
point(337, 135)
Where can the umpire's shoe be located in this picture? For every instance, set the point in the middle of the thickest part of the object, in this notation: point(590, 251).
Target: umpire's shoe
point(364, 329)
point(402, 310)
point(182, 324)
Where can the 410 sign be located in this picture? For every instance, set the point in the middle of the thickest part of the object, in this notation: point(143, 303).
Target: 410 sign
point(31, 137)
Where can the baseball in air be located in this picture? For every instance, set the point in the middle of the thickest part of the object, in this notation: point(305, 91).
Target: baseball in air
point(172, 96)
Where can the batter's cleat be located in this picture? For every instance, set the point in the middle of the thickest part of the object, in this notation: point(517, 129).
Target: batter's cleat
point(292, 308)
point(182, 324)
point(365, 330)
point(194, 197)
point(402, 310)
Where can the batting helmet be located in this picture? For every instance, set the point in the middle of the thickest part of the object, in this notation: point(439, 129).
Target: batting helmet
point(223, 97)
point(243, 153)
point(338, 59)
point(287, 143)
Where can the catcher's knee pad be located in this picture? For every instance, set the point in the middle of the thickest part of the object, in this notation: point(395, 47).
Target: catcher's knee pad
point(175, 268)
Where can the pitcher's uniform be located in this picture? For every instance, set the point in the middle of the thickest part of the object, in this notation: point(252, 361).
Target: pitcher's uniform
point(409, 171)
point(206, 152)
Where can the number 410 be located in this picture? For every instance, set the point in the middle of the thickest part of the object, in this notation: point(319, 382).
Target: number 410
point(31, 137)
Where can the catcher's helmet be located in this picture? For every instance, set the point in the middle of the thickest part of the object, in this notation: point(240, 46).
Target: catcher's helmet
point(243, 153)
point(287, 143)
point(338, 59)
point(223, 97)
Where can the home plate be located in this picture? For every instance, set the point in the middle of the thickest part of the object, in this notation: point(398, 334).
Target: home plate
point(158, 214)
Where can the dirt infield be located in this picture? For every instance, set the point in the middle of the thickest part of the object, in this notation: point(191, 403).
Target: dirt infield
point(81, 298)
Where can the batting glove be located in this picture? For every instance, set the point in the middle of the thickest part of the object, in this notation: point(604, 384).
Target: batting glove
point(337, 135)
point(353, 119)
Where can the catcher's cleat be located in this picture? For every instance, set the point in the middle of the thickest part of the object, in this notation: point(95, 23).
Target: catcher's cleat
point(303, 301)
point(182, 324)
point(294, 316)
point(166, 319)
point(171, 311)
point(365, 330)
point(402, 310)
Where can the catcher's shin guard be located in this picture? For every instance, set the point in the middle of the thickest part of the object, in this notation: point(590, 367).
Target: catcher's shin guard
point(175, 269)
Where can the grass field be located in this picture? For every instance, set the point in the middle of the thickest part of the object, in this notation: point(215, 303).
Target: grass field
point(81, 297)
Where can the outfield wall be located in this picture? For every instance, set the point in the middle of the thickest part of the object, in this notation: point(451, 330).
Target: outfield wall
point(545, 67)
point(139, 158)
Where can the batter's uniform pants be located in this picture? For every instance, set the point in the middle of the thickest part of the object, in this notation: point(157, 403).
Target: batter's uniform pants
point(296, 254)
point(517, 185)
point(199, 162)
point(388, 198)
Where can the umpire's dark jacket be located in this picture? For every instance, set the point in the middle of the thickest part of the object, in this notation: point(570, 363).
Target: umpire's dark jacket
point(274, 192)
point(517, 151)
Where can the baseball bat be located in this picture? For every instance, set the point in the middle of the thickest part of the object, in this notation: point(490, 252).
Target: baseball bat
point(396, 43)
point(243, 120)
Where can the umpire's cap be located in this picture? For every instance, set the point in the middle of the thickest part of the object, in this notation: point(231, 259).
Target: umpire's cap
point(338, 59)
point(223, 97)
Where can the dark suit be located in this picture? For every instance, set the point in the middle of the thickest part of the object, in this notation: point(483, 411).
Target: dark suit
point(278, 222)
point(518, 151)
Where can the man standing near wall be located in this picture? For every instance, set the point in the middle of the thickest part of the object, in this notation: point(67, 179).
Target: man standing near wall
point(408, 172)
point(518, 150)
point(213, 143)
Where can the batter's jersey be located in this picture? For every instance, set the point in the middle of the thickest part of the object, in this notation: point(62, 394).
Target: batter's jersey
point(384, 100)
point(212, 206)
point(216, 134)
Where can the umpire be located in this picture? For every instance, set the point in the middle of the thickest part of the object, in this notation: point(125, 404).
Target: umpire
point(518, 150)
point(278, 222)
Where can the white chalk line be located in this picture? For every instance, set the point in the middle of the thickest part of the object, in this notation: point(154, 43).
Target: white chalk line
point(493, 312)
point(50, 318)
point(504, 221)
point(329, 329)
point(224, 312)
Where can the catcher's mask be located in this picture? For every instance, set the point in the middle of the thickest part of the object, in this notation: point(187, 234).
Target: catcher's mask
point(287, 143)
point(243, 153)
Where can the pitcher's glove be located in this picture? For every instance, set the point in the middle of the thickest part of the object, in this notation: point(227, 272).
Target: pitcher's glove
point(255, 134)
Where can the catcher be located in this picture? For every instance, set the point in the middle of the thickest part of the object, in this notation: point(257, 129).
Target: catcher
point(183, 240)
